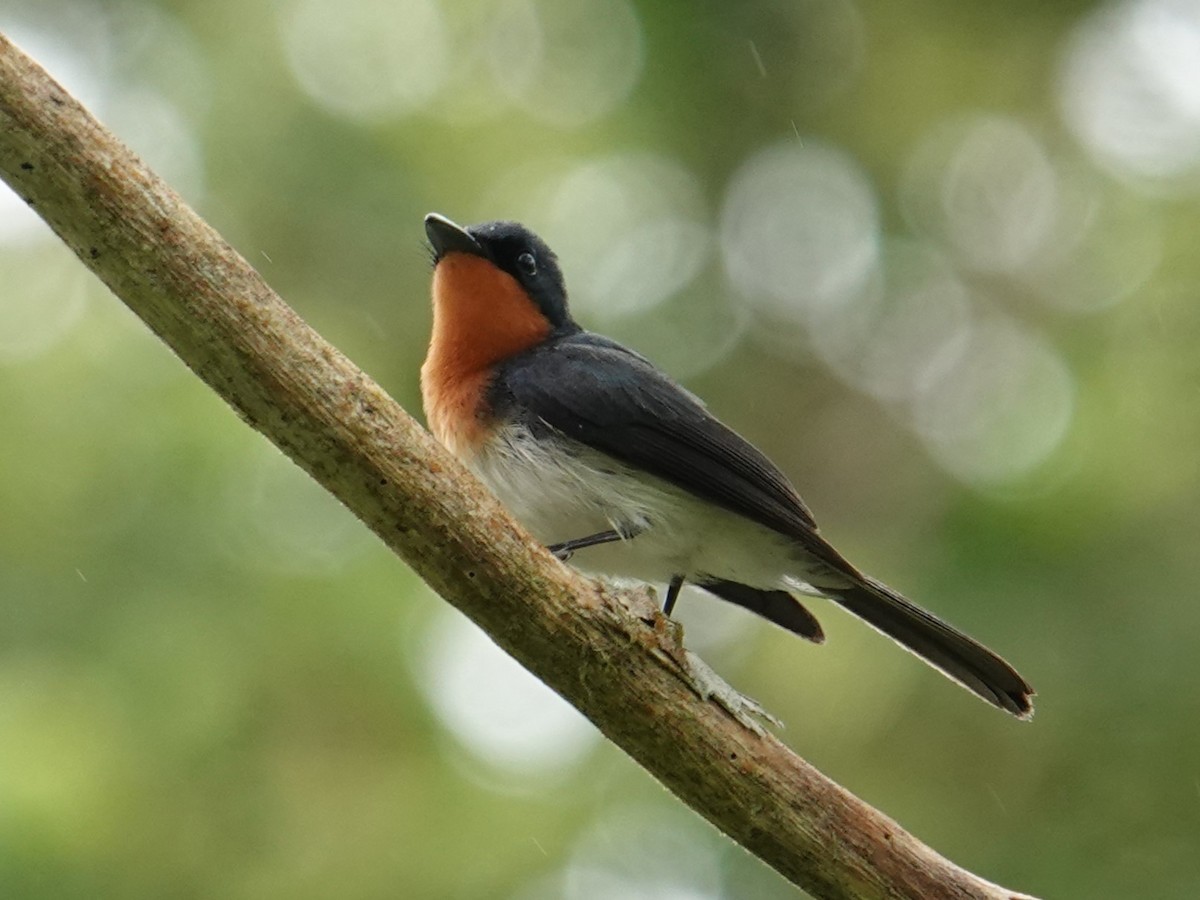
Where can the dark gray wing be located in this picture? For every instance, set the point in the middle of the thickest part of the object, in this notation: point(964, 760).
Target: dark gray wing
point(610, 398)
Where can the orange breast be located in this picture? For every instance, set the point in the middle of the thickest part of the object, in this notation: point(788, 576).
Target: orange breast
point(481, 315)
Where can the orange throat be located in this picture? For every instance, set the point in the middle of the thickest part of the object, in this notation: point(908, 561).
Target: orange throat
point(481, 316)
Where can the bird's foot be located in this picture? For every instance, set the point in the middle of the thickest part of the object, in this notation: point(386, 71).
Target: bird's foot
point(667, 645)
point(708, 685)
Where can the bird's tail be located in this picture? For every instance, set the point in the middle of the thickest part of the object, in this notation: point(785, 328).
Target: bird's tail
point(964, 659)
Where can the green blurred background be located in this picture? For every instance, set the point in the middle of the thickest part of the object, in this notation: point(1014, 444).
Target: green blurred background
point(938, 259)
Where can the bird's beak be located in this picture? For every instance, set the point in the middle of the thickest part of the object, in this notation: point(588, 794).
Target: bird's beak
point(446, 237)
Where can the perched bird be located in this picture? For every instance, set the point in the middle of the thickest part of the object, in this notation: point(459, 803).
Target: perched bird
point(605, 458)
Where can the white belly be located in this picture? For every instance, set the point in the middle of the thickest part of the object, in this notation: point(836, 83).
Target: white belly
point(561, 496)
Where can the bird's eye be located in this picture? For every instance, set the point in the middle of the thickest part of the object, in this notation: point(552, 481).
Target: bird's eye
point(527, 264)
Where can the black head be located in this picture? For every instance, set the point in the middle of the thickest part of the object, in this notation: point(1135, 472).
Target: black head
point(514, 249)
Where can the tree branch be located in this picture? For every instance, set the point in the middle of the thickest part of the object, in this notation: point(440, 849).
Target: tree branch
point(609, 653)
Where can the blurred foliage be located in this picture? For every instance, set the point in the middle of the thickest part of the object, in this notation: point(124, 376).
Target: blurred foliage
point(931, 256)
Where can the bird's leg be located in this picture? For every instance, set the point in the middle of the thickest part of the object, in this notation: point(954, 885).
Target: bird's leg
point(566, 549)
point(673, 590)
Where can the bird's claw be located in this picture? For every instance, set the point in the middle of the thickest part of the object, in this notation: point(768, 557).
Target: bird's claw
point(708, 685)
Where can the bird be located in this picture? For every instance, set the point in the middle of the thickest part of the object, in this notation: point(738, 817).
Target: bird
point(612, 464)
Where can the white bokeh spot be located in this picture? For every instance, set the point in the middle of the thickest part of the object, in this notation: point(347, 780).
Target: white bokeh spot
point(499, 712)
point(367, 60)
point(799, 229)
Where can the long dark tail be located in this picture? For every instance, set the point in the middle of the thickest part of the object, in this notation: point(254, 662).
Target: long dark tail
point(964, 659)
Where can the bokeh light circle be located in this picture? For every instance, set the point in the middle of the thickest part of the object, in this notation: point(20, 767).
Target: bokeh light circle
point(620, 858)
point(499, 712)
point(799, 229)
point(986, 189)
point(995, 402)
point(1130, 87)
point(882, 342)
point(565, 62)
point(366, 60)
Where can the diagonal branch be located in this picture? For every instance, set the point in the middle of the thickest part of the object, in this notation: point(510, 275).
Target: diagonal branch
point(608, 652)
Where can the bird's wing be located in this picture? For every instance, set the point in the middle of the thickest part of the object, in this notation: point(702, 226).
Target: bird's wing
point(603, 395)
